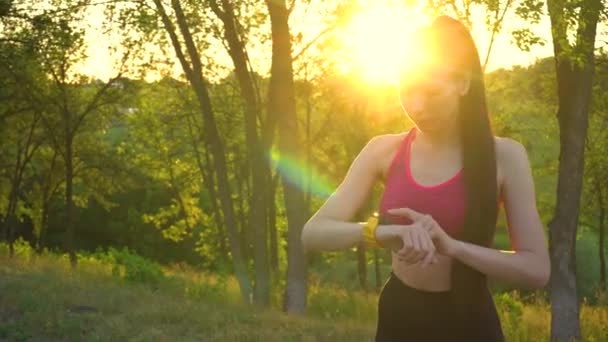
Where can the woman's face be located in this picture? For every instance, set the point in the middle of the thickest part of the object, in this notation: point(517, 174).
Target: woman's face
point(431, 99)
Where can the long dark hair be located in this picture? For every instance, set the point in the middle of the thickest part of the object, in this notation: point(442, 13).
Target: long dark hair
point(453, 40)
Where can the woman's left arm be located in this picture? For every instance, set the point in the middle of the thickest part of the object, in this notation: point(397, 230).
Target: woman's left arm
point(528, 263)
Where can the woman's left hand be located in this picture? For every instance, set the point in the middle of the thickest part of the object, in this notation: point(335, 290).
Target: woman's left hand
point(444, 243)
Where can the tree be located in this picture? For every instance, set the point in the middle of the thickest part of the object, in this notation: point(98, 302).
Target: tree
point(20, 117)
point(154, 21)
point(281, 103)
point(595, 196)
point(574, 65)
point(257, 144)
point(73, 99)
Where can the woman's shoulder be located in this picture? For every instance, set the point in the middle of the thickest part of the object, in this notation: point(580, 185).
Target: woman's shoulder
point(511, 157)
point(508, 148)
point(384, 144)
point(379, 151)
point(387, 140)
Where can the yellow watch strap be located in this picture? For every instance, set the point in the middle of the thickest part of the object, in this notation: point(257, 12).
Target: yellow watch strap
point(369, 231)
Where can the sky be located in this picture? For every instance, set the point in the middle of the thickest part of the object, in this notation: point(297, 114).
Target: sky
point(368, 41)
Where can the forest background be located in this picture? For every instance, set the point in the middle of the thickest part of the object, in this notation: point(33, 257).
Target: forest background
point(151, 141)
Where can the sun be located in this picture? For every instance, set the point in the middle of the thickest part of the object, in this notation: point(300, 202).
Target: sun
point(376, 38)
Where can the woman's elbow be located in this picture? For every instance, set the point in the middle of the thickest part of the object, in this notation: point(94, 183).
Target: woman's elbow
point(306, 238)
point(540, 281)
point(541, 277)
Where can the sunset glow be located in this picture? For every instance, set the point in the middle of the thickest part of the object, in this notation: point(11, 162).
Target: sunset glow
point(376, 40)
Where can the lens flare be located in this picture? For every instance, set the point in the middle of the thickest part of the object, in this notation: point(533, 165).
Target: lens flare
point(304, 178)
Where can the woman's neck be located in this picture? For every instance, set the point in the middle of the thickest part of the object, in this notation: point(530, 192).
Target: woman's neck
point(439, 139)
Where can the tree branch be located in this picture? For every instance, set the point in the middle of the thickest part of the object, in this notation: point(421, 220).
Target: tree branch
point(174, 40)
point(93, 104)
point(313, 41)
point(496, 27)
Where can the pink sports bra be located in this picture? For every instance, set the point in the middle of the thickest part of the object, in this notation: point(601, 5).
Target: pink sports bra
point(445, 202)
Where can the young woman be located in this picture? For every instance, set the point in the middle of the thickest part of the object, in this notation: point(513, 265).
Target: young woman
point(444, 180)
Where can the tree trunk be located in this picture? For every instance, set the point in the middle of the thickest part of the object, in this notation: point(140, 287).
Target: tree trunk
point(361, 216)
point(10, 224)
point(282, 105)
point(256, 150)
point(602, 237)
point(47, 193)
point(574, 71)
point(563, 226)
point(362, 266)
point(378, 270)
point(243, 193)
point(43, 228)
point(209, 184)
point(10, 221)
point(69, 200)
point(178, 194)
point(308, 88)
point(25, 151)
point(211, 135)
point(219, 158)
point(23, 157)
point(9, 217)
point(272, 224)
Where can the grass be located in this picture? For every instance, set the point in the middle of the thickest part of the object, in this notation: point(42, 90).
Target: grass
point(43, 298)
point(38, 297)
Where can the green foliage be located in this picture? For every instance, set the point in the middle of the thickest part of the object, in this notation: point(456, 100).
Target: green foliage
point(525, 39)
point(132, 267)
point(22, 249)
point(512, 309)
point(588, 267)
point(522, 104)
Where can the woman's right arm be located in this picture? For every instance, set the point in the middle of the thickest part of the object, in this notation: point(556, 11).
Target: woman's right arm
point(329, 228)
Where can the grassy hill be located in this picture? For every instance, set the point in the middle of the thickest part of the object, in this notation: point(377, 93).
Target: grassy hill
point(117, 296)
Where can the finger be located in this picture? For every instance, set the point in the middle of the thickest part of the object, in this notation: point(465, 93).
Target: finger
point(430, 227)
point(430, 254)
point(408, 252)
point(416, 252)
point(407, 243)
point(407, 212)
point(425, 245)
point(427, 221)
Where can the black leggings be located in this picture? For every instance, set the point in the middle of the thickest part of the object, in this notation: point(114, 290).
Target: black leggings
point(409, 314)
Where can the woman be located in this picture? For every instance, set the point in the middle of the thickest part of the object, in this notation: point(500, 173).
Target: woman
point(444, 182)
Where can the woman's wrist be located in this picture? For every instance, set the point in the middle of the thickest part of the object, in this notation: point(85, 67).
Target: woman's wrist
point(457, 249)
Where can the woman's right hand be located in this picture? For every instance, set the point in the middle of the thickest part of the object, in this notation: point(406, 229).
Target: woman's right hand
point(412, 243)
